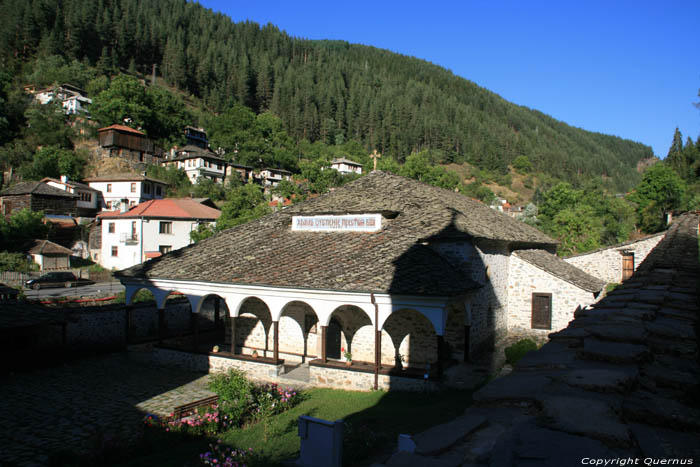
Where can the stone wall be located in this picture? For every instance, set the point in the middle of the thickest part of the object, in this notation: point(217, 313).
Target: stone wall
point(363, 381)
point(606, 263)
point(205, 363)
point(526, 279)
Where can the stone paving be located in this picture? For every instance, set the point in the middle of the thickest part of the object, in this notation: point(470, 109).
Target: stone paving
point(76, 405)
point(621, 382)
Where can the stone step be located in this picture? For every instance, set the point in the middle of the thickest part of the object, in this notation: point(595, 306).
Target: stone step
point(633, 332)
point(652, 409)
point(441, 437)
point(586, 416)
point(600, 380)
point(615, 352)
point(519, 386)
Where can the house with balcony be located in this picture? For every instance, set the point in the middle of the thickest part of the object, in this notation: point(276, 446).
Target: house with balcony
point(272, 177)
point(198, 163)
point(346, 166)
point(149, 230)
point(131, 189)
point(73, 99)
point(87, 203)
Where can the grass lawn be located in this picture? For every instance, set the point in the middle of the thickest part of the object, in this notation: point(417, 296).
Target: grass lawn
point(373, 421)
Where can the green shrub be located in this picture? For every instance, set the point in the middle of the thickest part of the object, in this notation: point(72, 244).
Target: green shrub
point(518, 350)
point(235, 394)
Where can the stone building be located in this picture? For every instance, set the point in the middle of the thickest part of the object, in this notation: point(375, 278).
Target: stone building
point(37, 196)
point(402, 275)
point(616, 263)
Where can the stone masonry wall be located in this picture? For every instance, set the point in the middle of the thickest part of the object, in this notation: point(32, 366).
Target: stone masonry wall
point(526, 279)
point(606, 263)
point(362, 381)
point(486, 263)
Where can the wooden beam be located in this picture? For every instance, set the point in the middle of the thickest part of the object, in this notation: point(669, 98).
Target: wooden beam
point(194, 327)
point(276, 340)
point(440, 345)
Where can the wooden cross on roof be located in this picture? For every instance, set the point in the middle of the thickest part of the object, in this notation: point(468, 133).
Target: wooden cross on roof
point(375, 155)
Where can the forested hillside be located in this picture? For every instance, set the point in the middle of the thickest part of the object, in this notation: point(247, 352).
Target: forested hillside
point(325, 91)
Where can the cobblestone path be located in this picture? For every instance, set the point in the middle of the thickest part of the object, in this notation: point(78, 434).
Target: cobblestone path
point(72, 407)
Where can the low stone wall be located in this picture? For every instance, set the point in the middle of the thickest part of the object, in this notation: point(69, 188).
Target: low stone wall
point(363, 381)
point(205, 363)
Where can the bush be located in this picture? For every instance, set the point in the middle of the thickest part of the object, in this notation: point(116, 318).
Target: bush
point(16, 262)
point(235, 394)
point(518, 350)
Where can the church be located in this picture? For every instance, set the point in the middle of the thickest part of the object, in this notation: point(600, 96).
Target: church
point(383, 279)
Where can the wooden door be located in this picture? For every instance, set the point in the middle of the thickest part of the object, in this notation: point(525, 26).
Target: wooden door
point(627, 265)
point(542, 311)
point(333, 339)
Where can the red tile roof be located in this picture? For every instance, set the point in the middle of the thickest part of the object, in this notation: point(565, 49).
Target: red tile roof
point(122, 128)
point(177, 208)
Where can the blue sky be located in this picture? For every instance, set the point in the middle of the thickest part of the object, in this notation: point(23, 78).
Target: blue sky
point(627, 68)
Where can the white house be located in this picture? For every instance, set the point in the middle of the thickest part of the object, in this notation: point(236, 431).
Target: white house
point(198, 163)
point(272, 177)
point(73, 99)
point(88, 201)
point(346, 166)
point(135, 189)
point(149, 230)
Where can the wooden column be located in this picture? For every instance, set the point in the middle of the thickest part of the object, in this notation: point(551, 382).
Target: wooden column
point(161, 324)
point(233, 335)
point(440, 345)
point(324, 335)
point(276, 340)
point(194, 328)
point(127, 323)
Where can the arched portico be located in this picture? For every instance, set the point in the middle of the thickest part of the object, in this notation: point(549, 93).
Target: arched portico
point(256, 314)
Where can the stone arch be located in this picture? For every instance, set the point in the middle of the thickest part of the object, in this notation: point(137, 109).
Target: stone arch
point(408, 333)
point(212, 313)
point(299, 331)
point(356, 333)
point(253, 326)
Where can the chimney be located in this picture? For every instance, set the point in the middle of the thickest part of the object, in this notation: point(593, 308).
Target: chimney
point(124, 205)
point(64, 178)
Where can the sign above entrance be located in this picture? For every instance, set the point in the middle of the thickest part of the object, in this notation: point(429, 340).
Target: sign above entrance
point(346, 223)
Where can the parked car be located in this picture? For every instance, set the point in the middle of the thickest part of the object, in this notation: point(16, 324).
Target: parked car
point(56, 279)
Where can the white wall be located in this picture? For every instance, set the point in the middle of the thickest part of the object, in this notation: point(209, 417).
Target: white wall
point(122, 189)
point(149, 238)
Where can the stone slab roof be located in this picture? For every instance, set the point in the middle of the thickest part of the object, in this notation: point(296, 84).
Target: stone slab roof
point(393, 260)
point(191, 151)
point(69, 183)
point(621, 381)
point(45, 247)
point(123, 128)
point(558, 267)
point(15, 315)
point(36, 188)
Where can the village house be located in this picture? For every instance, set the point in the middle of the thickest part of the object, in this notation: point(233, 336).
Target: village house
point(131, 189)
point(617, 263)
point(401, 275)
point(272, 177)
point(234, 171)
point(128, 143)
point(49, 255)
point(149, 230)
point(73, 99)
point(37, 196)
point(346, 166)
point(198, 163)
point(88, 201)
